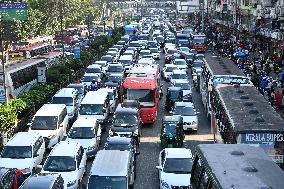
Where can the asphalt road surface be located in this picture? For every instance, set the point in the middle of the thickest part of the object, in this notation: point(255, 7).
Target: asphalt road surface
point(147, 174)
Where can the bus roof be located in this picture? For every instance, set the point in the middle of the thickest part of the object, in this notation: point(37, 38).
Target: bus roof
point(15, 66)
point(221, 66)
point(248, 110)
point(240, 166)
point(140, 83)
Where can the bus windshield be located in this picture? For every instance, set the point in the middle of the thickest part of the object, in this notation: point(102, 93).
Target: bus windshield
point(144, 96)
point(99, 182)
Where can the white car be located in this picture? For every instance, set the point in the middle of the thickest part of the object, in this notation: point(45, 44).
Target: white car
point(168, 71)
point(180, 63)
point(67, 158)
point(155, 53)
point(24, 151)
point(178, 75)
point(175, 168)
point(188, 113)
point(87, 132)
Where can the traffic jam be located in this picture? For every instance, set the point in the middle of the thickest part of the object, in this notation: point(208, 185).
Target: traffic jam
point(91, 134)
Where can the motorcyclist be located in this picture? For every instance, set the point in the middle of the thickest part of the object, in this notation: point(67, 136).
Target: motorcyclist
point(94, 85)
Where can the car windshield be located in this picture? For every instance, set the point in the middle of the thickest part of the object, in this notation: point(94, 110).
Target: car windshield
point(68, 101)
point(17, 152)
point(174, 93)
point(178, 165)
point(144, 96)
point(44, 123)
point(114, 79)
point(154, 50)
point(106, 58)
point(125, 62)
point(144, 53)
point(184, 49)
point(179, 76)
point(80, 89)
point(173, 51)
point(170, 68)
point(197, 64)
point(93, 70)
point(60, 164)
point(90, 78)
point(81, 133)
point(199, 40)
point(121, 147)
point(180, 62)
point(170, 128)
point(91, 109)
point(184, 110)
point(184, 86)
point(115, 68)
point(113, 182)
point(122, 119)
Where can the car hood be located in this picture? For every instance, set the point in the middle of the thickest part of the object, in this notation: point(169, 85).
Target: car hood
point(84, 142)
point(176, 179)
point(182, 66)
point(45, 133)
point(189, 118)
point(16, 163)
point(92, 116)
point(67, 176)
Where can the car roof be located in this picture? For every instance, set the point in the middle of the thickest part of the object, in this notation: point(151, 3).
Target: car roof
point(29, 139)
point(50, 110)
point(66, 92)
point(125, 57)
point(179, 59)
point(179, 72)
point(93, 97)
point(116, 74)
point(178, 153)
point(180, 81)
point(94, 66)
point(118, 140)
point(85, 122)
point(186, 104)
point(100, 61)
point(117, 167)
point(65, 148)
point(41, 180)
point(130, 110)
point(172, 118)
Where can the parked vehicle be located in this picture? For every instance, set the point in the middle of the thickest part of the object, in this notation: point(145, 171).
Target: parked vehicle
point(87, 132)
point(172, 134)
point(80, 88)
point(186, 90)
point(44, 181)
point(24, 151)
point(113, 98)
point(7, 178)
point(180, 63)
point(51, 121)
point(178, 75)
point(68, 159)
point(113, 174)
point(174, 167)
point(168, 71)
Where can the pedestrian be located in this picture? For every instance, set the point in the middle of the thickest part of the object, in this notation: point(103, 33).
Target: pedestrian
point(18, 179)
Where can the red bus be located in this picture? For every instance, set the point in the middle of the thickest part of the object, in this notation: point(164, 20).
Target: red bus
point(144, 89)
point(199, 43)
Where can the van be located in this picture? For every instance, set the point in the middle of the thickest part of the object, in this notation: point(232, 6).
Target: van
point(69, 97)
point(24, 151)
point(51, 122)
point(107, 173)
point(95, 105)
point(69, 159)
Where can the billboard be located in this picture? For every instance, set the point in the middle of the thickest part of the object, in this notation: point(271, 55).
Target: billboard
point(13, 11)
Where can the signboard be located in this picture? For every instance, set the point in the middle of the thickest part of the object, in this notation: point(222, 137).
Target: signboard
point(41, 74)
point(2, 93)
point(77, 52)
point(13, 11)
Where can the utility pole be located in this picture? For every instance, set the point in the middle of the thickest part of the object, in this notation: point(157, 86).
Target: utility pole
point(202, 15)
point(61, 25)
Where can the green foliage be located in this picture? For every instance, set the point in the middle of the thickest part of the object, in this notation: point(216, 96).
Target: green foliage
point(9, 114)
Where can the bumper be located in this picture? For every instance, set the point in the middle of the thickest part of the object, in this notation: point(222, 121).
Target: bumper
point(191, 127)
point(148, 118)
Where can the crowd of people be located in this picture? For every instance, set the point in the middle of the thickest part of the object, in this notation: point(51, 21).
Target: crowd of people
point(256, 55)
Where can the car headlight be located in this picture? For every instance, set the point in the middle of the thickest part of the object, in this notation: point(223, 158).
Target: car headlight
point(71, 183)
point(164, 184)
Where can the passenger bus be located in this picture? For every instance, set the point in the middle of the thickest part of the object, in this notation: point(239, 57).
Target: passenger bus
point(234, 166)
point(144, 89)
point(23, 74)
point(217, 70)
point(131, 30)
point(32, 48)
point(240, 114)
point(199, 42)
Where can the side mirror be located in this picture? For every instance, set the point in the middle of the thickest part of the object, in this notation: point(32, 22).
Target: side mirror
point(159, 167)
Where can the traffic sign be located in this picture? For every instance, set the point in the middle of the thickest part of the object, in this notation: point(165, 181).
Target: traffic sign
point(77, 52)
point(13, 11)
